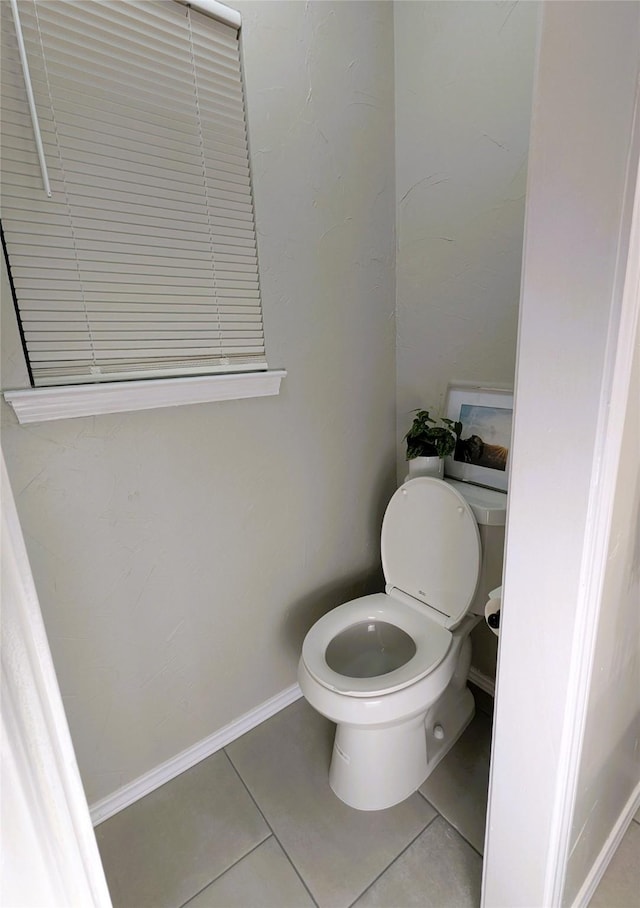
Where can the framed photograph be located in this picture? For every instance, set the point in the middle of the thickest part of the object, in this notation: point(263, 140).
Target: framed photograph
point(482, 450)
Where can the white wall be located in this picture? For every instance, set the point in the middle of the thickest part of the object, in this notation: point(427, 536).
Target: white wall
point(181, 554)
point(463, 84)
point(581, 132)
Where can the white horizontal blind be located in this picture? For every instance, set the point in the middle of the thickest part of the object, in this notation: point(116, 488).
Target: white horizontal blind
point(143, 263)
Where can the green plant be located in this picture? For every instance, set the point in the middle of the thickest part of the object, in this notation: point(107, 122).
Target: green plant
point(426, 438)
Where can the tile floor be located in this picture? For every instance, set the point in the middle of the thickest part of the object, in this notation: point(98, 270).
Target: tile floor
point(257, 826)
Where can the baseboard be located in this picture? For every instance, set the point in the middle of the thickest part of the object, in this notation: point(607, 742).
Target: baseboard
point(148, 782)
point(484, 682)
point(601, 863)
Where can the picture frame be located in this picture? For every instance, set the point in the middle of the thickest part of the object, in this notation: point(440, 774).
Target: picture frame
point(481, 455)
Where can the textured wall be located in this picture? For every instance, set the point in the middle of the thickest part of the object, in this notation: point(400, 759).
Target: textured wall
point(463, 86)
point(181, 554)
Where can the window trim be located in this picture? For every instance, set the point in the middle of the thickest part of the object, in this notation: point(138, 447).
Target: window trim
point(69, 401)
point(216, 10)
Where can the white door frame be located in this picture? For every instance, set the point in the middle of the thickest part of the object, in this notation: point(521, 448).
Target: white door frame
point(616, 397)
point(49, 852)
point(550, 629)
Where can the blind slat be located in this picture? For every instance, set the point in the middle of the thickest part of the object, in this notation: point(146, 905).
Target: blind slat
point(131, 321)
point(144, 261)
point(51, 298)
point(199, 260)
point(112, 131)
point(133, 19)
point(175, 308)
point(69, 341)
point(21, 174)
point(134, 352)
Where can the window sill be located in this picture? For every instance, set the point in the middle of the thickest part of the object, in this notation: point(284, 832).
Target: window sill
point(42, 404)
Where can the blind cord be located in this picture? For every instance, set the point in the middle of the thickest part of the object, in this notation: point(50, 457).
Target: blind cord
point(30, 98)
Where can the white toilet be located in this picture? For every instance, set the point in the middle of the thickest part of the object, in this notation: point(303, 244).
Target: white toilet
point(391, 669)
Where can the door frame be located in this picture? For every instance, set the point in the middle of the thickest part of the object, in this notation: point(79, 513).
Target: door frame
point(550, 622)
point(50, 855)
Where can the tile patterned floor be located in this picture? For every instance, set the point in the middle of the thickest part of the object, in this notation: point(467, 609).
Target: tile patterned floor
point(257, 826)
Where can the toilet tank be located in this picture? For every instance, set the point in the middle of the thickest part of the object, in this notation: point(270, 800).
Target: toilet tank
point(489, 507)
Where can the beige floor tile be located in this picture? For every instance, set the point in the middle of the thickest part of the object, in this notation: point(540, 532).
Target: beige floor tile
point(264, 879)
point(439, 870)
point(620, 885)
point(168, 846)
point(458, 787)
point(338, 851)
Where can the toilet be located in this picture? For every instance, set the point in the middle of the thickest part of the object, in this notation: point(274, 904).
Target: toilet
point(390, 669)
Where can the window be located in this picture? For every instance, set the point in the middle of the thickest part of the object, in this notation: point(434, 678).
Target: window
point(142, 263)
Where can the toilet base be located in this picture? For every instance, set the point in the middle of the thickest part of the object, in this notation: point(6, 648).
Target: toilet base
point(375, 768)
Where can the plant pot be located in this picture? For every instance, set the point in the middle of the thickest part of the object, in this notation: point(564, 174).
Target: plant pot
point(426, 466)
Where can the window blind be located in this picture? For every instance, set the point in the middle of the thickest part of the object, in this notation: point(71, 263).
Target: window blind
point(143, 262)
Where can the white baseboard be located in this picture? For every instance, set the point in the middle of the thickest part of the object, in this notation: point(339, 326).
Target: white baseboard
point(484, 682)
point(168, 770)
point(609, 848)
point(148, 782)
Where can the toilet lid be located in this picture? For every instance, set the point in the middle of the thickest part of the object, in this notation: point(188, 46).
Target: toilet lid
point(431, 547)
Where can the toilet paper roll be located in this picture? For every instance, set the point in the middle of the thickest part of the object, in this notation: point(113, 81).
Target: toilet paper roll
point(492, 610)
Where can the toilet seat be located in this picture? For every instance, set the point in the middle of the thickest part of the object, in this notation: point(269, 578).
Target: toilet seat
point(431, 558)
point(430, 547)
point(431, 639)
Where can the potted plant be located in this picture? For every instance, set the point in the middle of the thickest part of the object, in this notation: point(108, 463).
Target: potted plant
point(429, 443)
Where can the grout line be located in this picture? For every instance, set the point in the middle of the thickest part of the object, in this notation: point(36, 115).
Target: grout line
point(261, 812)
point(465, 839)
point(397, 857)
point(230, 867)
point(295, 869)
point(477, 851)
point(453, 826)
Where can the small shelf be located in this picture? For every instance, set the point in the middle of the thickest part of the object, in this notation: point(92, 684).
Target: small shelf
point(42, 404)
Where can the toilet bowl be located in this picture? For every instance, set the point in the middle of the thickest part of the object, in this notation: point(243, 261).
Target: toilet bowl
point(391, 668)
